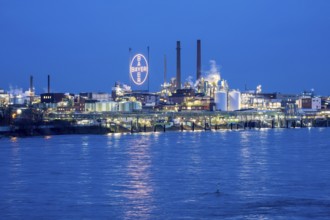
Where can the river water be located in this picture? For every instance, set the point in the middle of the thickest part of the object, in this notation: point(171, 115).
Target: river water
point(252, 174)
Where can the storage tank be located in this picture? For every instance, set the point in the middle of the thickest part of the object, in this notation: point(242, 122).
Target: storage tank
point(220, 99)
point(90, 107)
point(113, 106)
point(137, 106)
point(100, 106)
point(120, 106)
point(234, 100)
point(125, 107)
point(105, 106)
point(129, 106)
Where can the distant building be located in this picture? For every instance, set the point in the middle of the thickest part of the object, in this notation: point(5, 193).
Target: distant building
point(269, 101)
point(325, 102)
point(52, 97)
point(199, 103)
point(79, 104)
point(168, 107)
point(18, 97)
point(98, 96)
point(309, 103)
point(182, 95)
point(260, 101)
point(65, 109)
point(4, 98)
point(148, 100)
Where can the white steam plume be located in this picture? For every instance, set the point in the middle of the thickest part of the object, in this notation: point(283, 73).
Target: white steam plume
point(189, 80)
point(213, 75)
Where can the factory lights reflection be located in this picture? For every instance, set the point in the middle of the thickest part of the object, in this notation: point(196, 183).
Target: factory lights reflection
point(139, 185)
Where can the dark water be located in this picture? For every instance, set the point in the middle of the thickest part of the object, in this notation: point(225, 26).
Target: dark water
point(260, 174)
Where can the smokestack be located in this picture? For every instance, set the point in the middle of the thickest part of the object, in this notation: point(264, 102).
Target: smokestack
point(31, 84)
point(148, 65)
point(178, 65)
point(199, 58)
point(31, 89)
point(165, 69)
point(48, 83)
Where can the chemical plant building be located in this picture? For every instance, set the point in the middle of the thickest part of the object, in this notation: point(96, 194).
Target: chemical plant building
point(207, 93)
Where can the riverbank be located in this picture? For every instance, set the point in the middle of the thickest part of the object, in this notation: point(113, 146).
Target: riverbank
point(63, 127)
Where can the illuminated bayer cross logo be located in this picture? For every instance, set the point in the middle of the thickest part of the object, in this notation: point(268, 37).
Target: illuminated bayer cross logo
point(139, 69)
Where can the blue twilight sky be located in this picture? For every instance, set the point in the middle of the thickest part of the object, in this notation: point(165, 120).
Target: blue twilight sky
point(284, 45)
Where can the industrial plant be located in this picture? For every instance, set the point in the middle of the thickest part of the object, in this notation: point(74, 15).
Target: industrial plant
point(205, 103)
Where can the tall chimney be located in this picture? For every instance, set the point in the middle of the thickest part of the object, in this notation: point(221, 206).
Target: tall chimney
point(31, 84)
point(199, 58)
point(48, 83)
point(178, 65)
point(31, 89)
point(165, 69)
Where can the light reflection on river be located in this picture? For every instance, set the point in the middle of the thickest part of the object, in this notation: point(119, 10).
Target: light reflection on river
point(140, 188)
point(253, 174)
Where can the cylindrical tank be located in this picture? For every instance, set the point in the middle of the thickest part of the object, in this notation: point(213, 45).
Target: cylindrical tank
point(125, 106)
point(234, 102)
point(105, 106)
point(113, 106)
point(220, 99)
point(100, 106)
point(90, 107)
point(137, 105)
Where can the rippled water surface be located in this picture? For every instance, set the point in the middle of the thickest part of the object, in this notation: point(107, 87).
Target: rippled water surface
point(254, 174)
